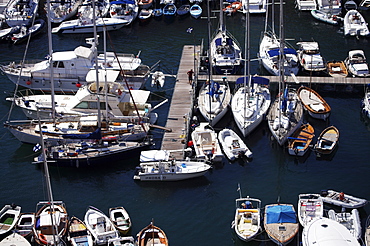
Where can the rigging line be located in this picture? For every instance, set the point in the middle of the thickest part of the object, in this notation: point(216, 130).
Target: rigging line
point(125, 80)
point(20, 72)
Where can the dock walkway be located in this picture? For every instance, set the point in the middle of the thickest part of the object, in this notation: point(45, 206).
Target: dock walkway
point(181, 104)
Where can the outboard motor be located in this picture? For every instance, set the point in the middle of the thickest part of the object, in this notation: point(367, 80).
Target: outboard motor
point(324, 193)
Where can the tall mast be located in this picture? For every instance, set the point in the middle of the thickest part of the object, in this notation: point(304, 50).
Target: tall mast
point(50, 42)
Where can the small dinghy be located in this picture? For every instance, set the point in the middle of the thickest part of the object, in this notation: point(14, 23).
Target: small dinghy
point(195, 11)
point(327, 141)
point(299, 142)
point(9, 216)
point(78, 234)
point(25, 224)
point(26, 31)
point(337, 69)
point(313, 103)
point(158, 79)
point(342, 200)
point(151, 235)
point(232, 145)
point(120, 219)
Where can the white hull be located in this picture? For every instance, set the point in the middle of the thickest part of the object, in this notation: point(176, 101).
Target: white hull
point(249, 109)
point(366, 104)
point(79, 26)
point(255, 6)
point(310, 208)
point(327, 232)
point(325, 17)
point(167, 171)
point(355, 24)
point(349, 201)
point(247, 221)
point(206, 144)
point(356, 63)
point(269, 53)
point(195, 11)
point(233, 146)
point(14, 239)
point(100, 226)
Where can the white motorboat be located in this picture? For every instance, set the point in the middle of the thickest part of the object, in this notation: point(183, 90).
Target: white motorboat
point(247, 219)
point(78, 233)
point(195, 11)
point(51, 222)
point(86, 25)
point(145, 14)
point(63, 10)
point(124, 9)
point(206, 144)
point(14, 239)
point(306, 5)
point(250, 103)
point(255, 6)
point(213, 100)
point(351, 220)
point(325, 231)
point(100, 226)
point(83, 103)
point(365, 103)
point(310, 58)
point(156, 166)
point(26, 31)
point(70, 69)
point(225, 51)
point(326, 16)
point(347, 201)
point(313, 103)
point(20, 12)
point(285, 115)
point(121, 219)
point(310, 208)
point(354, 24)
point(9, 216)
point(269, 53)
point(356, 63)
point(232, 145)
point(280, 223)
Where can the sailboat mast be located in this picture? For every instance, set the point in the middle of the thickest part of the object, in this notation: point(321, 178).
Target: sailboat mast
point(281, 59)
point(96, 62)
point(51, 61)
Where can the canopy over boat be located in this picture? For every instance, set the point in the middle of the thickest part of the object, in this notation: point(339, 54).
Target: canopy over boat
point(276, 52)
point(254, 80)
point(280, 214)
point(123, 2)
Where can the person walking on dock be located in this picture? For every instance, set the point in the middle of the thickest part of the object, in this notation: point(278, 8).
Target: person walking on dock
point(190, 75)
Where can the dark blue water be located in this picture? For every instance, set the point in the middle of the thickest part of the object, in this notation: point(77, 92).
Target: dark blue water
point(199, 211)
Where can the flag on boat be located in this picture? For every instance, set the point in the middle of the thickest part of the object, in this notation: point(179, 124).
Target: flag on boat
point(36, 148)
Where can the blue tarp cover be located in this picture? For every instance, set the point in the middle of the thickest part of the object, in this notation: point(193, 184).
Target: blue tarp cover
point(280, 214)
point(257, 80)
point(218, 41)
point(123, 2)
point(93, 135)
point(276, 52)
point(214, 89)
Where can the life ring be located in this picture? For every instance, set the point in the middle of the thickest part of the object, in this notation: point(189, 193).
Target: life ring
point(334, 17)
point(42, 239)
point(303, 61)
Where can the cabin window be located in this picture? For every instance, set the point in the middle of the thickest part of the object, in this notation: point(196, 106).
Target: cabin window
point(91, 105)
point(60, 64)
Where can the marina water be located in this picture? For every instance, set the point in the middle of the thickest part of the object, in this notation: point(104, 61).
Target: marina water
point(198, 211)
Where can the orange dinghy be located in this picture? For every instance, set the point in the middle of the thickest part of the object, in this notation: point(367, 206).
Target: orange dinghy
point(232, 8)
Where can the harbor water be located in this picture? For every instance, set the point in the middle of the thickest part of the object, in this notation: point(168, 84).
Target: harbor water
point(197, 211)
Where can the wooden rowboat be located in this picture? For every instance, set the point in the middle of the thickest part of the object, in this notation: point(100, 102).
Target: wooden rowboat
point(313, 103)
point(152, 235)
point(327, 141)
point(301, 139)
point(337, 69)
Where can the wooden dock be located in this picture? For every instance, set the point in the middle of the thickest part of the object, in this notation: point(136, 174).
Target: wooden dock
point(181, 104)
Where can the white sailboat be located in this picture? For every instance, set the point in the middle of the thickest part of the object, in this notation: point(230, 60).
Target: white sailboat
point(225, 52)
point(252, 99)
point(272, 48)
point(286, 113)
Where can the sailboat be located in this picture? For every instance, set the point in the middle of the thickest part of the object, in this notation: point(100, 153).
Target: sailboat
point(63, 10)
point(272, 48)
point(252, 98)
point(286, 113)
point(225, 52)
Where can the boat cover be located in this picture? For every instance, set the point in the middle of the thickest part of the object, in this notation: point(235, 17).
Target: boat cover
point(229, 41)
point(92, 135)
point(280, 214)
point(256, 79)
point(123, 2)
point(275, 52)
